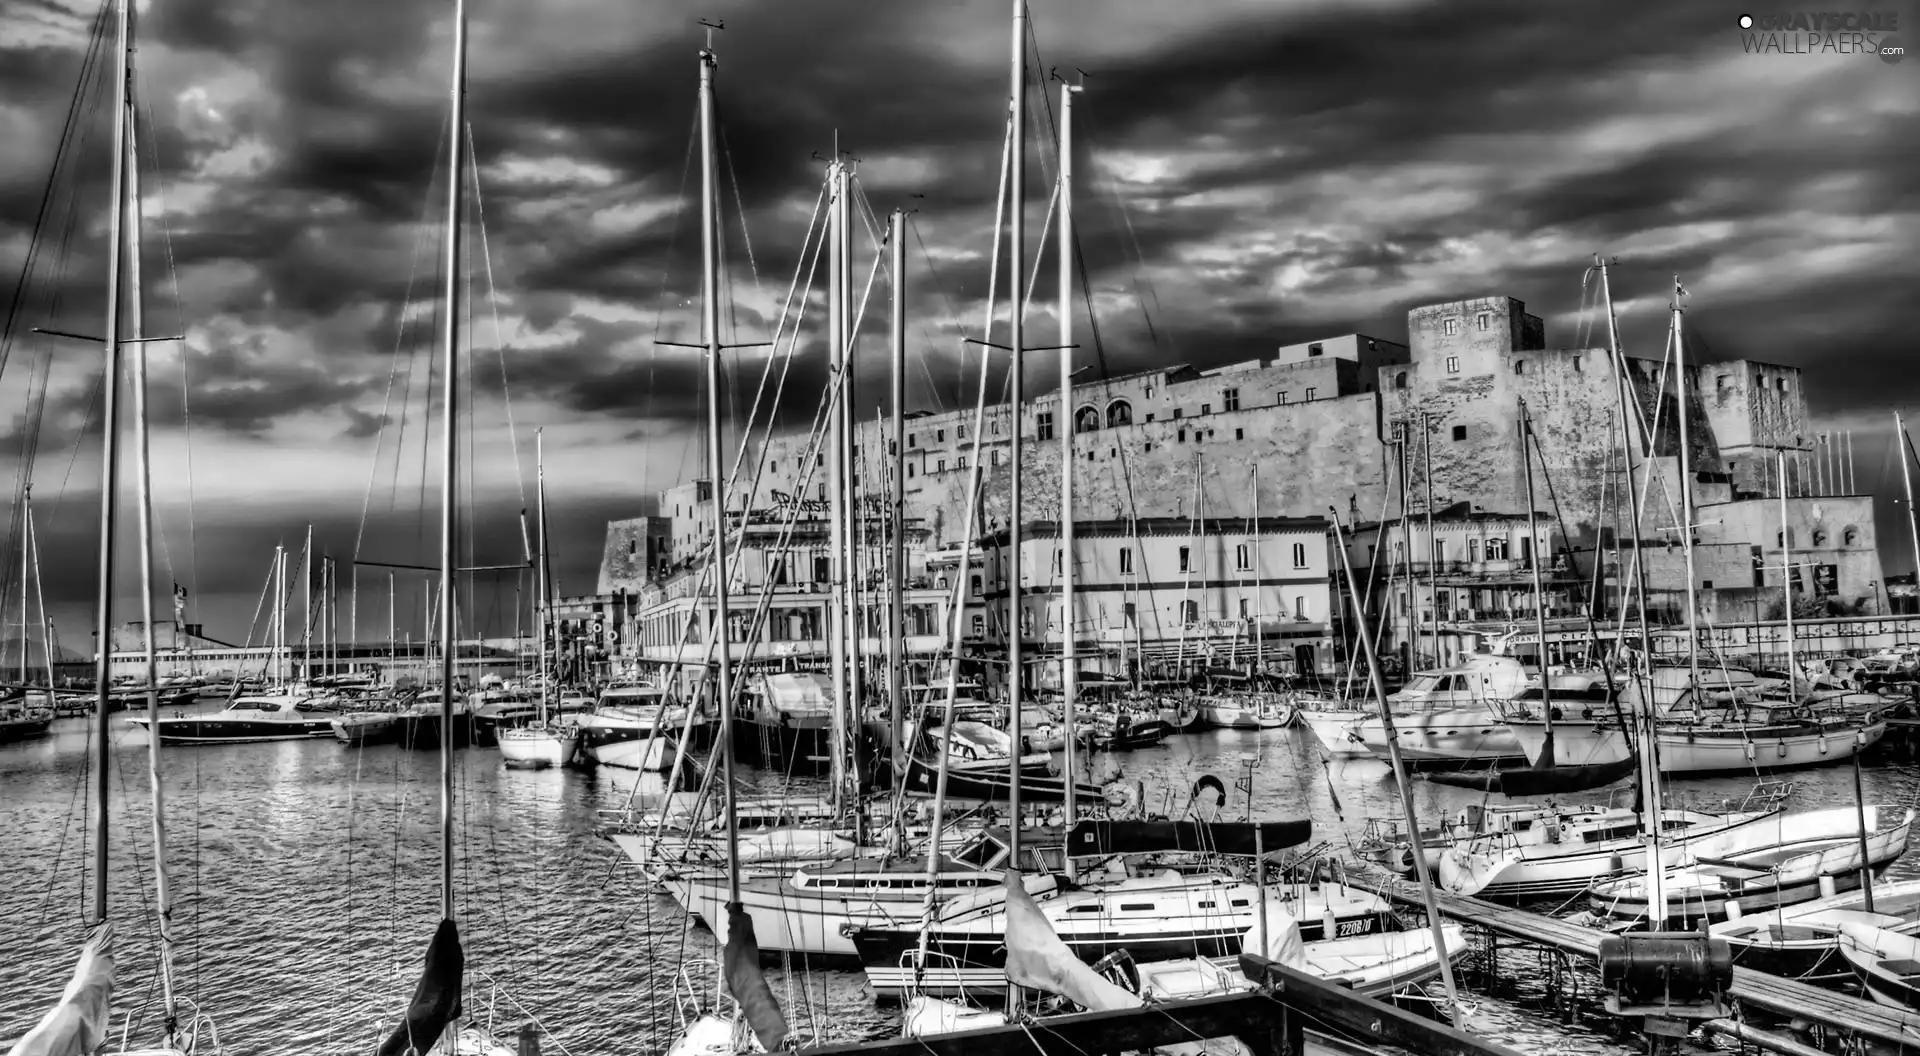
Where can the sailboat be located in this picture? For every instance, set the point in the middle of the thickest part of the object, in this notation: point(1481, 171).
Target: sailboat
point(754, 1006)
point(431, 1021)
point(547, 742)
point(78, 1022)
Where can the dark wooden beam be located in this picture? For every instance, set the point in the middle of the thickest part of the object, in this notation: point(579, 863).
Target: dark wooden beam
point(1365, 1020)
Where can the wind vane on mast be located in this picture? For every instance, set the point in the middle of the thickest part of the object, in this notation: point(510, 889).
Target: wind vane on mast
point(718, 23)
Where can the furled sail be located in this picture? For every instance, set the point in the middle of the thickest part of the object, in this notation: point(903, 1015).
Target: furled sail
point(1539, 781)
point(1216, 837)
point(436, 1001)
point(748, 984)
point(1037, 959)
point(77, 1024)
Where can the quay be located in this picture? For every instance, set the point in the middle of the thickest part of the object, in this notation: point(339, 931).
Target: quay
point(1832, 1012)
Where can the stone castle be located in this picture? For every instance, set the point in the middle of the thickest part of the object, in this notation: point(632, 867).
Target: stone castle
point(1309, 431)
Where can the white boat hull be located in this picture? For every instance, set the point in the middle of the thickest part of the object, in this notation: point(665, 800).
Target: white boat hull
point(1332, 729)
point(1453, 735)
point(653, 755)
point(1699, 751)
point(1490, 868)
point(536, 748)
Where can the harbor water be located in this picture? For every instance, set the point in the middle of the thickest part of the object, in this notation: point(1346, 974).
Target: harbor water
point(306, 883)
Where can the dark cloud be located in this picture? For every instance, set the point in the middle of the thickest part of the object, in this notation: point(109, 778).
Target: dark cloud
point(1257, 177)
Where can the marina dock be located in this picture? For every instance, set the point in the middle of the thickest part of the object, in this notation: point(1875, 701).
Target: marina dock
point(1828, 1012)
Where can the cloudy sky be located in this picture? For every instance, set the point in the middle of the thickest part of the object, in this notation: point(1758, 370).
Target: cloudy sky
point(1252, 172)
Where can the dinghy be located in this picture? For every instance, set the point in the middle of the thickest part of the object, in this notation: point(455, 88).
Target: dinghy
point(1802, 942)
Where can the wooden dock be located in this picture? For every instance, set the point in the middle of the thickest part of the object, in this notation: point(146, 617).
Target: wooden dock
point(1835, 1011)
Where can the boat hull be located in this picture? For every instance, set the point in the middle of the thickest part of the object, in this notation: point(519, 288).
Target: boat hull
point(1452, 737)
point(1332, 730)
point(531, 748)
point(369, 728)
point(211, 729)
point(1700, 751)
point(1519, 873)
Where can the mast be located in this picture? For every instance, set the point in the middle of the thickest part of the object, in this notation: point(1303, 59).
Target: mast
point(1017, 272)
point(306, 605)
point(1069, 656)
point(1644, 728)
point(853, 704)
point(540, 573)
point(897, 531)
point(450, 337)
point(110, 459)
point(1433, 543)
point(1259, 634)
point(1406, 546)
point(1539, 591)
point(1686, 491)
point(1906, 481)
point(26, 515)
point(841, 574)
point(710, 336)
point(1786, 583)
point(1399, 771)
point(40, 597)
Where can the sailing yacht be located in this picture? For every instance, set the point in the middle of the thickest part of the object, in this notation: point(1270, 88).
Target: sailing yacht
point(548, 742)
point(78, 1022)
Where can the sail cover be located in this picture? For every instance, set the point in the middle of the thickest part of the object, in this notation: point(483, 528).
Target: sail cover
point(748, 984)
point(77, 1025)
point(436, 1001)
point(1037, 959)
point(1539, 781)
point(1218, 837)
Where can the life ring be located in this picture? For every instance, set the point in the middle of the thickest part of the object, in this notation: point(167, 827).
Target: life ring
point(1219, 790)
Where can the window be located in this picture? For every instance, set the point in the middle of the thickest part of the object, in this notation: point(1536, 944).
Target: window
point(1176, 414)
point(1283, 397)
point(1850, 536)
point(1119, 412)
point(911, 442)
point(1230, 400)
point(1242, 557)
point(1496, 549)
point(1819, 537)
point(633, 547)
point(1473, 550)
point(909, 471)
point(1183, 435)
point(1459, 432)
point(1206, 408)
point(1186, 559)
point(1086, 420)
point(1149, 416)
point(1149, 447)
point(1243, 608)
point(1720, 385)
point(1706, 584)
point(1315, 349)
point(1299, 606)
point(1519, 366)
point(1400, 380)
point(960, 433)
point(1452, 327)
point(1043, 426)
point(940, 467)
point(1126, 613)
point(1310, 391)
point(997, 456)
point(1056, 560)
point(1239, 434)
point(939, 436)
point(1484, 320)
point(1299, 555)
point(1126, 560)
point(1190, 612)
point(1453, 364)
point(973, 583)
point(960, 463)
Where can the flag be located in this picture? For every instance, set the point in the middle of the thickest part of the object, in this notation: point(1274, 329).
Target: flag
point(179, 601)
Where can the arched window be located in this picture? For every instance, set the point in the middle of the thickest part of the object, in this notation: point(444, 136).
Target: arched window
point(1819, 537)
point(1086, 420)
point(1850, 536)
point(1119, 412)
point(1519, 366)
point(1400, 380)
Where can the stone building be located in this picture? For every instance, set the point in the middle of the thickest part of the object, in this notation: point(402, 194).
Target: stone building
point(1349, 423)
